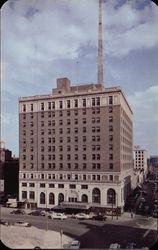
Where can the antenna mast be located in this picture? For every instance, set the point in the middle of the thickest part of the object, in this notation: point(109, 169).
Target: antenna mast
point(100, 47)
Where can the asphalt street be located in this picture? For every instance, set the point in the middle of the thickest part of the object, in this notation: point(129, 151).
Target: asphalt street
point(97, 234)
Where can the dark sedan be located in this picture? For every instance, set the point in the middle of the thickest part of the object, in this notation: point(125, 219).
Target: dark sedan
point(18, 211)
point(99, 217)
point(36, 213)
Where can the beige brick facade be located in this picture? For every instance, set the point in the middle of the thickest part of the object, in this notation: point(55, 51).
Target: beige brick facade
point(81, 135)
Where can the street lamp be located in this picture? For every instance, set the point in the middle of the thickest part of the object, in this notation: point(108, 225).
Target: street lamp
point(46, 211)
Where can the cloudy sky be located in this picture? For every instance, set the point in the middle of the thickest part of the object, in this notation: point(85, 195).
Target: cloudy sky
point(44, 39)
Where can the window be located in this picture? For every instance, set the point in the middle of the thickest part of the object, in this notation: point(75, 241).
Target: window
point(24, 194)
point(110, 128)
point(24, 116)
point(24, 157)
point(24, 184)
point(68, 130)
point(51, 185)
point(98, 138)
point(68, 122)
point(98, 177)
point(84, 165)
point(110, 109)
point(49, 132)
point(110, 137)
point(68, 165)
point(72, 186)
point(98, 129)
point(76, 139)
point(60, 185)
point(96, 197)
point(60, 104)
point(97, 147)
point(68, 112)
point(61, 165)
point(98, 156)
point(68, 103)
point(93, 147)
point(68, 139)
point(76, 130)
point(49, 105)
point(111, 166)
point(93, 138)
point(110, 156)
point(68, 157)
point(84, 156)
point(84, 147)
point(76, 147)
point(97, 110)
point(84, 129)
point(31, 107)
point(76, 103)
point(61, 139)
point(93, 165)
point(24, 107)
point(42, 106)
point(60, 113)
point(42, 165)
point(42, 185)
point(42, 114)
point(75, 112)
point(42, 198)
point(60, 131)
point(68, 148)
point(76, 157)
point(110, 119)
point(31, 157)
point(60, 122)
point(32, 195)
point(42, 123)
point(98, 165)
point(93, 120)
point(93, 157)
point(110, 146)
point(110, 100)
point(84, 186)
point(84, 177)
point(84, 138)
point(53, 105)
point(31, 124)
point(93, 111)
point(98, 120)
point(84, 102)
point(60, 157)
point(84, 120)
point(111, 177)
point(98, 101)
point(76, 165)
point(51, 199)
point(83, 111)
point(76, 121)
point(93, 101)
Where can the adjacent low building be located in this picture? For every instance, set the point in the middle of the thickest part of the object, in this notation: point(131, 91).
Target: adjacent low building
point(140, 163)
point(76, 145)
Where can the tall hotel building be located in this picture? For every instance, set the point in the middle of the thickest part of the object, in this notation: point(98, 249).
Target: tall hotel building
point(76, 145)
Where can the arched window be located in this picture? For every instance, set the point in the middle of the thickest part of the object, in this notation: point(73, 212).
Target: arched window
point(96, 195)
point(51, 198)
point(111, 196)
point(42, 198)
point(60, 198)
point(84, 198)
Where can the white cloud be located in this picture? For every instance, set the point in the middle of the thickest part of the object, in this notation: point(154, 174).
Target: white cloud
point(144, 105)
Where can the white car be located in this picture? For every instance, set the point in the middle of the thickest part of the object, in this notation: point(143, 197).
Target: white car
point(82, 216)
point(75, 244)
point(114, 246)
point(22, 223)
point(59, 216)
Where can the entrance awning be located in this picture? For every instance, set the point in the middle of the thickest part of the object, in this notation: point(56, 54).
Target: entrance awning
point(75, 205)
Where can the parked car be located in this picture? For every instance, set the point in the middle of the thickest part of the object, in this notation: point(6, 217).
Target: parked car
point(18, 211)
point(75, 244)
point(60, 216)
point(114, 246)
point(3, 222)
point(22, 223)
point(36, 213)
point(155, 214)
point(130, 245)
point(99, 217)
point(82, 216)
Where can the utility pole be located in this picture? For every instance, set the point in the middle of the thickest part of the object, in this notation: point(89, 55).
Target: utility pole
point(100, 47)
